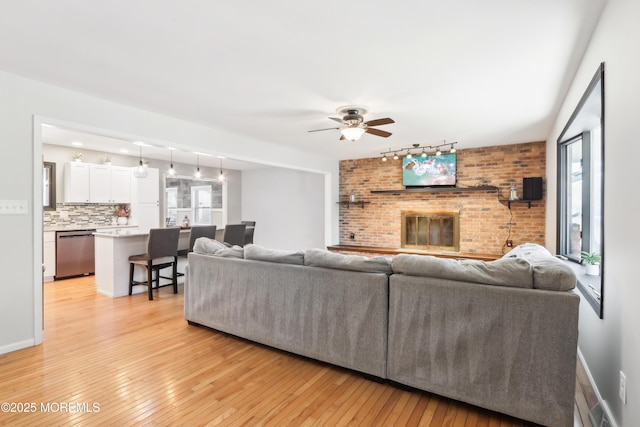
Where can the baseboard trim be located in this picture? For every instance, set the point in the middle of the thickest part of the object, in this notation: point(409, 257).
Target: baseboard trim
point(601, 401)
point(17, 346)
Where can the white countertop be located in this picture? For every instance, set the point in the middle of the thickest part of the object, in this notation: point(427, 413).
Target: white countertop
point(87, 227)
point(118, 232)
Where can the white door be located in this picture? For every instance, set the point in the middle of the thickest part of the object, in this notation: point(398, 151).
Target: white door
point(99, 183)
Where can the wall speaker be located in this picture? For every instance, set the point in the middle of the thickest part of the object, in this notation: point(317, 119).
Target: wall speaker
point(532, 188)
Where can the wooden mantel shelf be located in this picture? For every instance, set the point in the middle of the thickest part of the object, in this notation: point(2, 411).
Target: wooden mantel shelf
point(437, 190)
point(396, 251)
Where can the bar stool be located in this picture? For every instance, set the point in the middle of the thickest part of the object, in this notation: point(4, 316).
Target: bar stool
point(248, 232)
point(196, 232)
point(162, 252)
point(234, 234)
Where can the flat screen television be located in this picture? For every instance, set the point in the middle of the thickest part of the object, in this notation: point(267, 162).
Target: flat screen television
point(429, 171)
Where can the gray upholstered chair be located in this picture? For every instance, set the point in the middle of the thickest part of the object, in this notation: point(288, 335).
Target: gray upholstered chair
point(162, 252)
point(234, 234)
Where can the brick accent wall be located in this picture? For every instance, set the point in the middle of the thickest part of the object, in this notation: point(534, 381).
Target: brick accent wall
point(484, 221)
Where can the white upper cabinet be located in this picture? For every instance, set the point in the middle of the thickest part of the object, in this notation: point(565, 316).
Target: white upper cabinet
point(76, 182)
point(147, 190)
point(95, 183)
point(121, 184)
point(100, 184)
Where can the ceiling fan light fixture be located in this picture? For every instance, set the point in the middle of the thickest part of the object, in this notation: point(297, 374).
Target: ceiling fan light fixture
point(352, 133)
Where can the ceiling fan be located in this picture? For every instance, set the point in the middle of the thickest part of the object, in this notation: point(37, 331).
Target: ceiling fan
point(352, 116)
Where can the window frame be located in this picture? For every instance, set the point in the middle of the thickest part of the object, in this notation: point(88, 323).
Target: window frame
point(579, 127)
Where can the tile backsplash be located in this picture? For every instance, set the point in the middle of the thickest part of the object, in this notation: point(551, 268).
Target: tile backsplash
point(89, 214)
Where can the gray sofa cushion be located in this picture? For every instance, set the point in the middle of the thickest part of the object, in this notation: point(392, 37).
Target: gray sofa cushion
point(514, 272)
point(327, 259)
point(258, 253)
point(549, 272)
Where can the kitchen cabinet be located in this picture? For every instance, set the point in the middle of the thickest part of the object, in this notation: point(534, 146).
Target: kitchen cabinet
point(49, 254)
point(96, 183)
point(121, 184)
point(109, 184)
point(145, 201)
point(76, 182)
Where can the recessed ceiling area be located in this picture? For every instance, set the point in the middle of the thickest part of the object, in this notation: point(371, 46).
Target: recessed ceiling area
point(79, 140)
point(481, 73)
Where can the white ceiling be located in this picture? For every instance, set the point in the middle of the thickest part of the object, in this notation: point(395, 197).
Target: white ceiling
point(481, 73)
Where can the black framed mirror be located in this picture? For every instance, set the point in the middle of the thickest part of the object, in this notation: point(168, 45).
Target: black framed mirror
point(49, 186)
point(581, 192)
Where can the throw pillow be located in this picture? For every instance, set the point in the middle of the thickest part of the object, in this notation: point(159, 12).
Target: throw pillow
point(206, 245)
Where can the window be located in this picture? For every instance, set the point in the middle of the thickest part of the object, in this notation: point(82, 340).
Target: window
point(171, 201)
point(49, 186)
point(201, 204)
point(581, 189)
point(202, 201)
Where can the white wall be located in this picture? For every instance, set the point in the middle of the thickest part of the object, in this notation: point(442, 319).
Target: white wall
point(286, 218)
point(613, 343)
point(26, 101)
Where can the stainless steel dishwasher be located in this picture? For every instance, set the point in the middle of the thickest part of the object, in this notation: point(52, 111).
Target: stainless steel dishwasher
point(75, 253)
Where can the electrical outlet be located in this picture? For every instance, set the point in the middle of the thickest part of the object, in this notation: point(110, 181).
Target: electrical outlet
point(622, 391)
point(509, 243)
point(352, 236)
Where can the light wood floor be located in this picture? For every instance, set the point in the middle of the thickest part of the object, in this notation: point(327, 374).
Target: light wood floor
point(130, 361)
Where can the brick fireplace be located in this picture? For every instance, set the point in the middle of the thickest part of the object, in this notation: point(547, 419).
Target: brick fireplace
point(484, 222)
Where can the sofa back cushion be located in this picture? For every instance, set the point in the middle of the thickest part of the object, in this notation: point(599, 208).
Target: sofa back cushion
point(513, 272)
point(258, 253)
point(549, 272)
point(327, 259)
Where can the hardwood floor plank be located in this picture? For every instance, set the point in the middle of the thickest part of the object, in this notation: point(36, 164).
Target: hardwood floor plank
point(142, 364)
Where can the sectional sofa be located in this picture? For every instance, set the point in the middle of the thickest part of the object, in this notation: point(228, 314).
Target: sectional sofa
point(501, 335)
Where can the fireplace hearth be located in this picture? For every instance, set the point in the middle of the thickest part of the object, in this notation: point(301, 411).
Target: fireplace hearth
point(437, 230)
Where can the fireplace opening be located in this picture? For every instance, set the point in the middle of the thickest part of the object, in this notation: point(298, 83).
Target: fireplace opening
point(431, 230)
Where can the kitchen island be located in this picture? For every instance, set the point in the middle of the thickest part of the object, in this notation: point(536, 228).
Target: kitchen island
point(112, 251)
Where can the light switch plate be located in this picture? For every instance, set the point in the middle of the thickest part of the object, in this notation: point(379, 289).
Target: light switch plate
point(13, 207)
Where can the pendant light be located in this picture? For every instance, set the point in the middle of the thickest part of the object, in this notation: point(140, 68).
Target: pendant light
point(221, 177)
point(198, 174)
point(141, 171)
point(172, 171)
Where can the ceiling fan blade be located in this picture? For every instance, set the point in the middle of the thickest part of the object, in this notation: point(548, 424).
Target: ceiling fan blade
point(378, 122)
point(318, 130)
point(337, 119)
point(378, 132)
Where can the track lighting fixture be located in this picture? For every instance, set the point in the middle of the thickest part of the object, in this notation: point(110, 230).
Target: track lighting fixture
point(422, 150)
